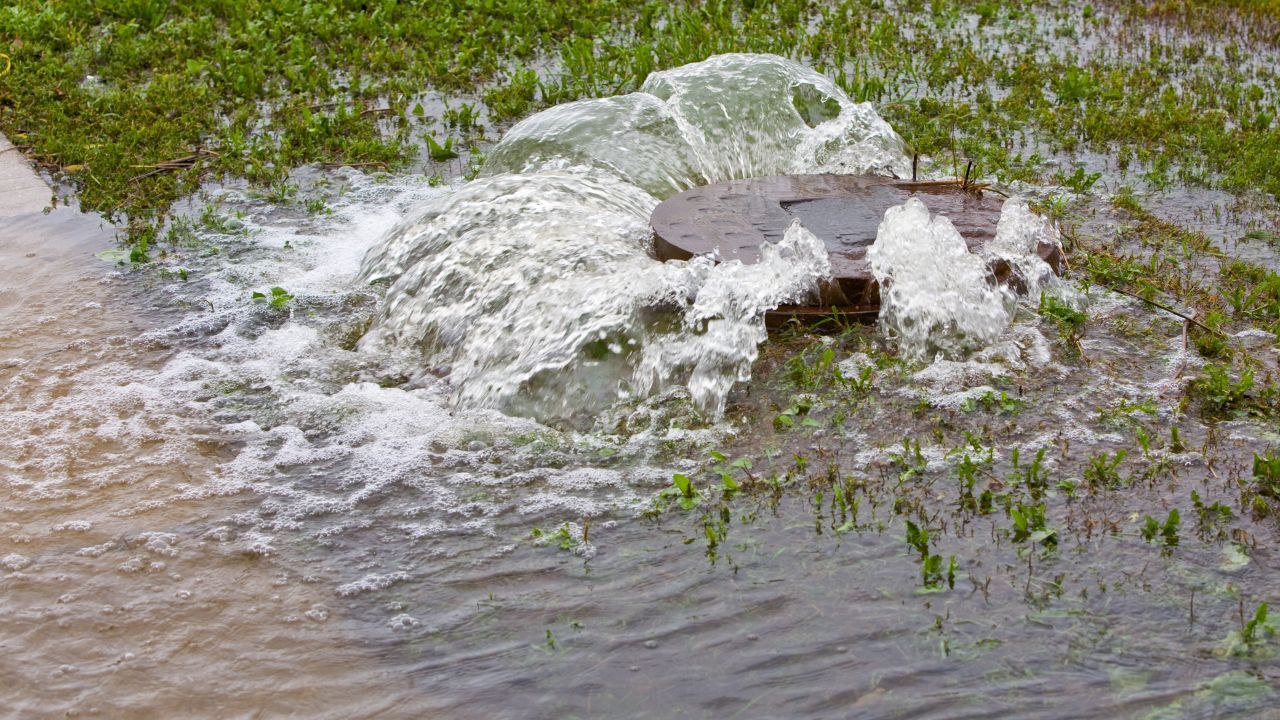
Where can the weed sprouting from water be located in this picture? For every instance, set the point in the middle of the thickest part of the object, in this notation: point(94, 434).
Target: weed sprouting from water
point(1032, 476)
point(1166, 531)
point(562, 537)
point(1069, 321)
point(1102, 471)
point(1263, 486)
point(683, 492)
point(910, 462)
point(1029, 524)
point(991, 402)
point(931, 568)
point(276, 297)
point(1221, 394)
point(1255, 630)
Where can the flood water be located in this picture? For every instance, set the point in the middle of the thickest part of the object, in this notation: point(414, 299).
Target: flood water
point(367, 500)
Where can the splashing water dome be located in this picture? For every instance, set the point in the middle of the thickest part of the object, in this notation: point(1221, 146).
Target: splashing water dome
point(538, 288)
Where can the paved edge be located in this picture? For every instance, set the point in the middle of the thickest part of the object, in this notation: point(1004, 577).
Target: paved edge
point(22, 192)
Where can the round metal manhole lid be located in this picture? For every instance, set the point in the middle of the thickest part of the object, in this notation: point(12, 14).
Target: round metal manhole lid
point(733, 219)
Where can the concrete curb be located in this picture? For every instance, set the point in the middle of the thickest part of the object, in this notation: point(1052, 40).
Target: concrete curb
point(22, 192)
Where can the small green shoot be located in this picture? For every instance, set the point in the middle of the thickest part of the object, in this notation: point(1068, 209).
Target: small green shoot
point(990, 402)
point(1221, 395)
point(1208, 516)
point(441, 153)
point(1029, 524)
point(1253, 631)
point(1103, 470)
point(1069, 321)
point(1167, 532)
point(278, 299)
point(682, 491)
point(561, 536)
point(931, 569)
point(918, 538)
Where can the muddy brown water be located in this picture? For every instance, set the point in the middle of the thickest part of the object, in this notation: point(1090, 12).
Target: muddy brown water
point(114, 604)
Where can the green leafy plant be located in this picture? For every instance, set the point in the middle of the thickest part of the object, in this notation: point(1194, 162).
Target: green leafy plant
point(1266, 469)
point(787, 419)
point(991, 402)
point(1103, 471)
point(439, 152)
point(278, 297)
point(859, 385)
point(561, 537)
point(1220, 394)
point(1069, 321)
point(1208, 516)
point(1256, 628)
point(725, 469)
point(931, 571)
point(1264, 485)
point(918, 538)
point(910, 461)
point(1079, 181)
point(1166, 531)
point(685, 493)
point(967, 472)
point(1029, 524)
point(931, 568)
point(1211, 343)
point(1031, 475)
point(1073, 86)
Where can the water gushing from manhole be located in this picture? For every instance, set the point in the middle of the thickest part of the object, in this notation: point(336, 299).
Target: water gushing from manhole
point(536, 285)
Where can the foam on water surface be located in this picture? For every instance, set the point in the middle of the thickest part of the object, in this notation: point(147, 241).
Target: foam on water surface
point(935, 297)
point(941, 300)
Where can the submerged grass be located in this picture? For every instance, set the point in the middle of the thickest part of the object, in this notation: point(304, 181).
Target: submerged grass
point(103, 94)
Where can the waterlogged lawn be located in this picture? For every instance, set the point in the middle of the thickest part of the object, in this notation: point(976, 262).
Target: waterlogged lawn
point(1097, 526)
point(133, 104)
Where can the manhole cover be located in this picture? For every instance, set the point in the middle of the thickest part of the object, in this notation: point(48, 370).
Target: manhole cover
point(844, 211)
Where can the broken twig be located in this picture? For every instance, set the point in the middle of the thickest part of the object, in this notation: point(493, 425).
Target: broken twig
point(181, 163)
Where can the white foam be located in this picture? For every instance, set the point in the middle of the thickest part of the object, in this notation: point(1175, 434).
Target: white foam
point(935, 295)
point(14, 562)
point(371, 582)
point(723, 326)
point(939, 300)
